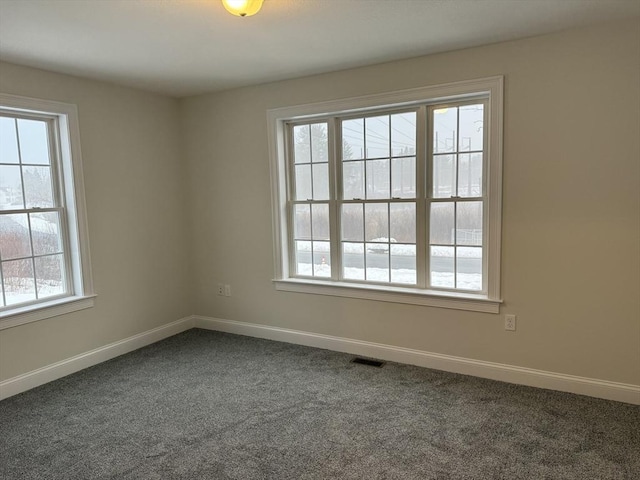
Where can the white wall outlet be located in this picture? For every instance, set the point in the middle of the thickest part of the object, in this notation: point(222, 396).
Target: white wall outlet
point(227, 290)
point(220, 289)
point(510, 322)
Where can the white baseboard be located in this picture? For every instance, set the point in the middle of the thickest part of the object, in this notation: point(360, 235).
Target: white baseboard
point(29, 380)
point(620, 392)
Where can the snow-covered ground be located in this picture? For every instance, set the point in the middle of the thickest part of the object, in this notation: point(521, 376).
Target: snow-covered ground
point(18, 291)
point(40, 222)
point(466, 281)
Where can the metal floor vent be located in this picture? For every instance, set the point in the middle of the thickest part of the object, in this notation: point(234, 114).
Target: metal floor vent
point(366, 361)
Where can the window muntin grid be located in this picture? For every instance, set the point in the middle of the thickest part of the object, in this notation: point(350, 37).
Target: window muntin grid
point(34, 262)
point(309, 147)
point(456, 197)
point(364, 190)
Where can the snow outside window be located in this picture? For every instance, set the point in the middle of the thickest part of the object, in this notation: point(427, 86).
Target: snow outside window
point(41, 241)
point(400, 203)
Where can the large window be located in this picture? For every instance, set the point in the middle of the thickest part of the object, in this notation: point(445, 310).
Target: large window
point(44, 261)
point(399, 202)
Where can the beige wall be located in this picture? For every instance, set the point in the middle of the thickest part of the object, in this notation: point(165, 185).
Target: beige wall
point(571, 260)
point(134, 182)
point(571, 217)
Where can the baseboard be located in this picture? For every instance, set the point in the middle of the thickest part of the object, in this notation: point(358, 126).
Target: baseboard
point(620, 392)
point(35, 378)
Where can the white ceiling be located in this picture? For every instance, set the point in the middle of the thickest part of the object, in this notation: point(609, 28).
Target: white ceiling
point(186, 47)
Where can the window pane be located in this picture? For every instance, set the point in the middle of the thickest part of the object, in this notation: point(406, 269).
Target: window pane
point(37, 187)
point(403, 177)
point(469, 223)
point(353, 139)
point(319, 146)
point(50, 275)
point(403, 264)
point(321, 259)
point(8, 141)
point(378, 179)
point(321, 181)
point(377, 136)
point(352, 222)
point(353, 261)
point(442, 223)
point(353, 180)
point(470, 175)
point(402, 222)
point(34, 145)
point(376, 189)
point(10, 188)
point(445, 130)
point(35, 157)
point(442, 264)
point(14, 236)
point(303, 182)
point(45, 232)
point(19, 285)
point(303, 258)
point(302, 222)
point(403, 134)
point(469, 268)
point(377, 261)
point(302, 148)
point(376, 222)
point(444, 176)
point(471, 127)
point(320, 221)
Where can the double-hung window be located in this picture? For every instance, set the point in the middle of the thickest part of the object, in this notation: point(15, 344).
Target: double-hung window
point(392, 197)
point(44, 264)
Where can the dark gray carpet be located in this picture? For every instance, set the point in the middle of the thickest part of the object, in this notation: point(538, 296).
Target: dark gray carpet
point(208, 405)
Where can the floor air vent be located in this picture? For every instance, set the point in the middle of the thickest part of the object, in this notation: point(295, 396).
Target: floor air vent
point(366, 361)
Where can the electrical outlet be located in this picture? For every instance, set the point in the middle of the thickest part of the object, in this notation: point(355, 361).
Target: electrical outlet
point(220, 289)
point(227, 290)
point(510, 322)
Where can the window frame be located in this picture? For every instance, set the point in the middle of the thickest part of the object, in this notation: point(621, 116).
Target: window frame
point(68, 190)
point(278, 120)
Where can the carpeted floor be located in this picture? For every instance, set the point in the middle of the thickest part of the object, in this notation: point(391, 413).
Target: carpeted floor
point(208, 405)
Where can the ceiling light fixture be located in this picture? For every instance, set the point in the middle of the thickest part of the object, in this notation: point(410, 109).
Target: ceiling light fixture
point(242, 8)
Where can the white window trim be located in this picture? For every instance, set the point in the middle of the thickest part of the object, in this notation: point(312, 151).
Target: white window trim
point(71, 160)
point(276, 119)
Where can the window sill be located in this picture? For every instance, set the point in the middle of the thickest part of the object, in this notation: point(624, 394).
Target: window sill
point(412, 296)
point(41, 311)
